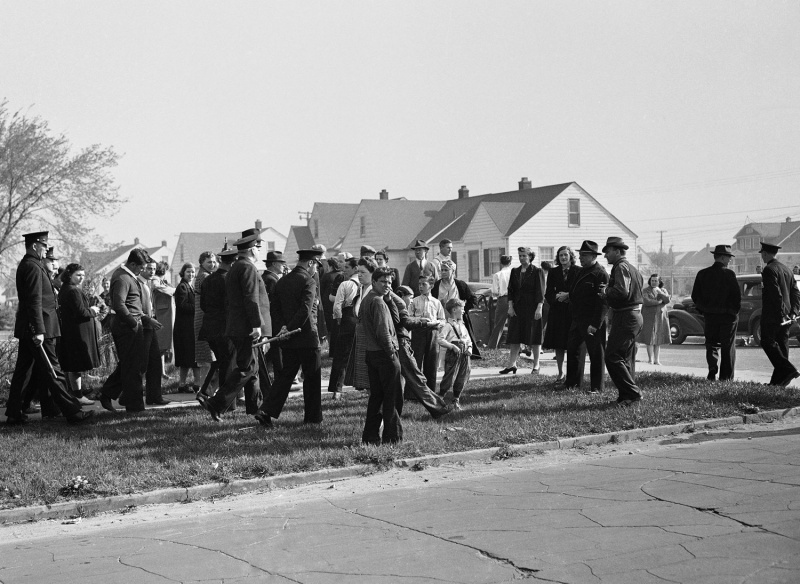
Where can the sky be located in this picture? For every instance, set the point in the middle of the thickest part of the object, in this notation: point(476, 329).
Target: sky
point(682, 118)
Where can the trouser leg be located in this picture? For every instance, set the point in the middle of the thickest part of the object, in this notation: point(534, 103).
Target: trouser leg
point(775, 342)
point(384, 380)
point(416, 383)
point(243, 370)
point(595, 347)
point(500, 317)
point(276, 398)
point(625, 325)
point(344, 346)
point(462, 377)
point(451, 367)
point(152, 367)
point(312, 385)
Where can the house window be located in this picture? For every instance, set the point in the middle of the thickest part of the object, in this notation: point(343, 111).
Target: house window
point(491, 260)
point(316, 228)
point(546, 254)
point(474, 266)
point(574, 212)
point(270, 246)
point(363, 226)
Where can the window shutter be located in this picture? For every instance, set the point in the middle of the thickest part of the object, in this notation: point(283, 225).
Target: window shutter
point(487, 263)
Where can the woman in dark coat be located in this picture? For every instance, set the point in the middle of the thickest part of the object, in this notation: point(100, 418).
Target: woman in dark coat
point(79, 347)
point(447, 287)
point(525, 300)
point(183, 331)
point(560, 279)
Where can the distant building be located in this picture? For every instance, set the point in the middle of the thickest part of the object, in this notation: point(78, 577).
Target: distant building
point(482, 228)
point(190, 245)
point(748, 243)
point(101, 264)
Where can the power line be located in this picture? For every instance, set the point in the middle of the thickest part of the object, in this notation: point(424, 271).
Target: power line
point(721, 182)
point(717, 214)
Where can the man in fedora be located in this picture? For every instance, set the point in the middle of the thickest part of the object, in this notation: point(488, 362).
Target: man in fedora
point(247, 320)
point(292, 308)
point(37, 329)
point(588, 321)
point(274, 264)
point(717, 296)
point(624, 296)
point(780, 304)
point(421, 266)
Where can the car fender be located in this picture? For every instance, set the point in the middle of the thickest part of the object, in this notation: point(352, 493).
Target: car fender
point(692, 326)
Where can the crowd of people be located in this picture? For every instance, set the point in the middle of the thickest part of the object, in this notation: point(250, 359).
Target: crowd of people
point(256, 332)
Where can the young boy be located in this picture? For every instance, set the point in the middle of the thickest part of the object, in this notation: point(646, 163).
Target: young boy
point(455, 338)
point(424, 343)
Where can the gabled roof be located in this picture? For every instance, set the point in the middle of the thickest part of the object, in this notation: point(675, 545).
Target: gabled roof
point(334, 219)
point(302, 235)
point(95, 260)
point(699, 258)
point(503, 214)
point(191, 245)
point(394, 219)
point(456, 215)
point(784, 233)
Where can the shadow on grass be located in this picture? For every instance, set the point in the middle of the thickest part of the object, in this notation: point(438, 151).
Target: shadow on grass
point(183, 447)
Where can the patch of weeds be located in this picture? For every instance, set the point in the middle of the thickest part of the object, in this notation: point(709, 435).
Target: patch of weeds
point(506, 451)
point(748, 408)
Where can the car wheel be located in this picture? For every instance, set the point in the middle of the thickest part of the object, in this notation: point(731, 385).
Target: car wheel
point(676, 332)
point(756, 332)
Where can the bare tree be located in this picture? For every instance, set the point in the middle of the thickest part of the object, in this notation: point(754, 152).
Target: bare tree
point(45, 185)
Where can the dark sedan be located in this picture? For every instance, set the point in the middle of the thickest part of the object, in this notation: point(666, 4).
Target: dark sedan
point(686, 321)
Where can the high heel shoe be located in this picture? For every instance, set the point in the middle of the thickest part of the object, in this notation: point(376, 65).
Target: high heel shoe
point(508, 370)
point(535, 371)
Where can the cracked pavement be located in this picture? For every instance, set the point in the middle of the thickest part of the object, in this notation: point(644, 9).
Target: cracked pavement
point(715, 507)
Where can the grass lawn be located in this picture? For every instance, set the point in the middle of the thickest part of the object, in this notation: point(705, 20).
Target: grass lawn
point(183, 447)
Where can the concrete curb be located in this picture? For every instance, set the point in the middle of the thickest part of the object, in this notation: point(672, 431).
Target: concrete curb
point(180, 495)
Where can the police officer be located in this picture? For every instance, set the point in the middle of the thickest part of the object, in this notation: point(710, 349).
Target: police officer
point(37, 329)
point(780, 303)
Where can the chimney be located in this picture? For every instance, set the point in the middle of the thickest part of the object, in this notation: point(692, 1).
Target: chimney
point(258, 224)
point(135, 241)
point(788, 219)
point(463, 192)
point(524, 183)
point(384, 195)
point(163, 243)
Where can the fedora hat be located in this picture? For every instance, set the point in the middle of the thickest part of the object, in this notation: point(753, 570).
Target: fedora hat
point(249, 239)
point(419, 244)
point(723, 250)
point(274, 256)
point(321, 248)
point(589, 246)
point(769, 247)
point(614, 242)
point(367, 250)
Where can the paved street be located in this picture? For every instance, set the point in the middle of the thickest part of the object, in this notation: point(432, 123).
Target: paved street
point(711, 507)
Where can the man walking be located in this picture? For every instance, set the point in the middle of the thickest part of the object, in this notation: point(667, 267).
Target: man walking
point(780, 304)
point(383, 364)
point(717, 296)
point(588, 325)
point(125, 382)
point(247, 319)
point(292, 308)
point(348, 292)
point(624, 296)
point(37, 329)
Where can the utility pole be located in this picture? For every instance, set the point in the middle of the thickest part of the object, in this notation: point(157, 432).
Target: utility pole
point(661, 246)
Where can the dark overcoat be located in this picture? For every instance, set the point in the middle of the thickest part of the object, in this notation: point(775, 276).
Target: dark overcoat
point(526, 293)
point(559, 315)
point(183, 332)
point(248, 303)
point(780, 296)
point(78, 349)
point(37, 310)
point(588, 308)
point(292, 306)
point(212, 302)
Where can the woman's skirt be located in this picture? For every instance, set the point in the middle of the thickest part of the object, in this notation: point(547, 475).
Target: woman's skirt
point(356, 373)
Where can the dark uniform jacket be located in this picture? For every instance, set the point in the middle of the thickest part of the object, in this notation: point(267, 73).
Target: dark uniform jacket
point(716, 292)
point(780, 296)
point(588, 309)
point(212, 302)
point(292, 306)
point(624, 286)
point(270, 279)
point(126, 297)
point(247, 301)
point(37, 313)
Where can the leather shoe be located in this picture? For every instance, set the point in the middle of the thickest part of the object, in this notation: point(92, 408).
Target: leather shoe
point(17, 420)
point(215, 415)
point(789, 378)
point(264, 419)
point(80, 418)
point(106, 404)
point(84, 401)
point(158, 402)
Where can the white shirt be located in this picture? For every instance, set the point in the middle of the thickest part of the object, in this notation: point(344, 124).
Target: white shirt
point(500, 282)
point(426, 306)
point(344, 295)
point(455, 330)
point(366, 290)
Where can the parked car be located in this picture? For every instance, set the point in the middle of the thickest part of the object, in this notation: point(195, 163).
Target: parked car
point(686, 321)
